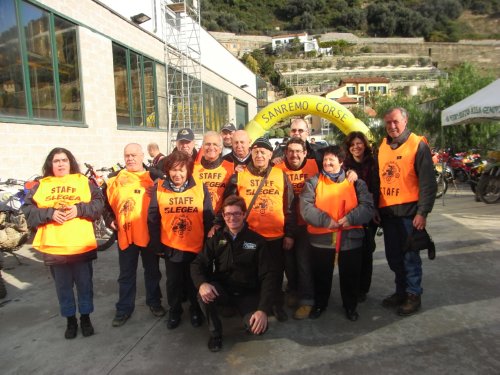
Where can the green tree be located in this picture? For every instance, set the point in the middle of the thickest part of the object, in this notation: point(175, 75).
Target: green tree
point(463, 81)
point(251, 63)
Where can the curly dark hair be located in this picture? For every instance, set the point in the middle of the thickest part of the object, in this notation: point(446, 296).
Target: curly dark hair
point(178, 158)
point(47, 169)
point(352, 136)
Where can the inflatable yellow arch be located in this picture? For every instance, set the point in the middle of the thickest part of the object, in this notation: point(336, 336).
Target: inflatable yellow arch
point(297, 105)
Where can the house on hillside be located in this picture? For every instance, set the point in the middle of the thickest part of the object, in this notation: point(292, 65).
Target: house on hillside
point(308, 43)
point(352, 92)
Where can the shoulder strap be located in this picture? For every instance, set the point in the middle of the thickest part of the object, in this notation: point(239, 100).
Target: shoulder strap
point(257, 192)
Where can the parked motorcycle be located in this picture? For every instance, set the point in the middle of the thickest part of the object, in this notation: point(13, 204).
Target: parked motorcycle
point(14, 230)
point(443, 179)
point(105, 236)
point(488, 187)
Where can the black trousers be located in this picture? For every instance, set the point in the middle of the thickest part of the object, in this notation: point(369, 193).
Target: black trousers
point(178, 281)
point(349, 275)
point(298, 268)
point(322, 264)
point(246, 303)
point(350, 262)
point(367, 258)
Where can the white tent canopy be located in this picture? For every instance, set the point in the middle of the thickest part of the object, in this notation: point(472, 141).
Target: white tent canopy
point(482, 105)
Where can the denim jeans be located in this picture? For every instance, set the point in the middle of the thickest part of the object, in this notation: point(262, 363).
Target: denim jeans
point(298, 268)
point(128, 260)
point(80, 275)
point(407, 266)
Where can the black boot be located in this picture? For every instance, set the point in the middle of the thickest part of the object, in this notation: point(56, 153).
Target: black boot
point(72, 327)
point(87, 328)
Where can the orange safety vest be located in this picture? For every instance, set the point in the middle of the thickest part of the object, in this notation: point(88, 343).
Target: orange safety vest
point(398, 179)
point(75, 236)
point(182, 217)
point(329, 197)
point(215, 180)
point(128, 198)
point(266, 216)
point(298, 178)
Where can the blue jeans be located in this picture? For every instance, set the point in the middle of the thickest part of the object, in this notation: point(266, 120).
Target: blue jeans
point(407, 266)
point(128, 260)
point(80, 275)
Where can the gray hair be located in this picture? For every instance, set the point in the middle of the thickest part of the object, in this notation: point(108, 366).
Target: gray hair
point(402, 110)
point(212, 133)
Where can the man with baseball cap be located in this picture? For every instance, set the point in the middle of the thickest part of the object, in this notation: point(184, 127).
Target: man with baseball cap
point(226, 133)
point(270, 214)
point(185, 142)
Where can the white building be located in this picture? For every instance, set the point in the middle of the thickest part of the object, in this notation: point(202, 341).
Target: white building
point(81, 74)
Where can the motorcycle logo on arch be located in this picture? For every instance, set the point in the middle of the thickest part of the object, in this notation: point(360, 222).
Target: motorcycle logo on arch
point(390, 172)
point(181, 225)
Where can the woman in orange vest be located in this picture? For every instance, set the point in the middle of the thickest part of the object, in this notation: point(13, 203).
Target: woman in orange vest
point(179, 217)
point(335, 210)
point(62, 207)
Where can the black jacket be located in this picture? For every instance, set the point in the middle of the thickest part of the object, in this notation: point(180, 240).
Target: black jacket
point(243, 264)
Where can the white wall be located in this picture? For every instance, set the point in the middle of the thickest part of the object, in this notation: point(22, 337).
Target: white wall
point(99, 142)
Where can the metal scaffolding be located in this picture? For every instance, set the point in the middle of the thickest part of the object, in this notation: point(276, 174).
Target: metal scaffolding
point(181, 31)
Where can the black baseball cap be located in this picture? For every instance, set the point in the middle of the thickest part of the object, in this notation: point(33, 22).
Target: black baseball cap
point(185, 134)
point(228, 127)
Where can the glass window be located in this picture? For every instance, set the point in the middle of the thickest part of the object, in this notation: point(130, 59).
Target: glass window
point(12, 94)
point(68, 69)
point(135, 89)
point(121, 85)
point(215, 108)
point(351, 90)
point(39, 70)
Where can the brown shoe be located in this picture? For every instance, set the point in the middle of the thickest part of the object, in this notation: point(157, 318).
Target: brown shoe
point(410, 306)
point(394, 300)
point(302, 312)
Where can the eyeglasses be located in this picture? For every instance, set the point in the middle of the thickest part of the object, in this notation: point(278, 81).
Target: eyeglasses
point(236, 215)
point(296, 152)
point(298, 130)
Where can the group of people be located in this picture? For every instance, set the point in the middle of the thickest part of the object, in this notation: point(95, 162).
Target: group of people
point(229, 225)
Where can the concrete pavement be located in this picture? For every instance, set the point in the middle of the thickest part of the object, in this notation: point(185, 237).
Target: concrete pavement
point(456, 332)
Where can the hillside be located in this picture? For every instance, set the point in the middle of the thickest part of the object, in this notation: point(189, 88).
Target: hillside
point(444, 20)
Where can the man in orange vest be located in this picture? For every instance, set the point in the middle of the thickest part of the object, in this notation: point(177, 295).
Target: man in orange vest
point(299, 129)
point(128, 196)
point(271, 214)
point(212, 170)
point(407, 193)
point(300, 286)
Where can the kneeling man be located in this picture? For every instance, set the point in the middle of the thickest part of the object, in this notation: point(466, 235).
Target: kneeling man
point(235, 268)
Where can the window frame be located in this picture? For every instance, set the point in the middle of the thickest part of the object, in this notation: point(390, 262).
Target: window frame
point(132, 125)
point(29, 117)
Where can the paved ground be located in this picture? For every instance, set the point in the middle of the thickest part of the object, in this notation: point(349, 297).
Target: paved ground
point(456, 332)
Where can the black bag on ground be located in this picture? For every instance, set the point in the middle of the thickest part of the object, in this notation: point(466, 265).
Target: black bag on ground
point(420, 240)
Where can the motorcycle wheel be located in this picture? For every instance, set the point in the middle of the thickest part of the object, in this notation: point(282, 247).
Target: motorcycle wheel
point(442, 185)
point(489, 189)
point(104, 236)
